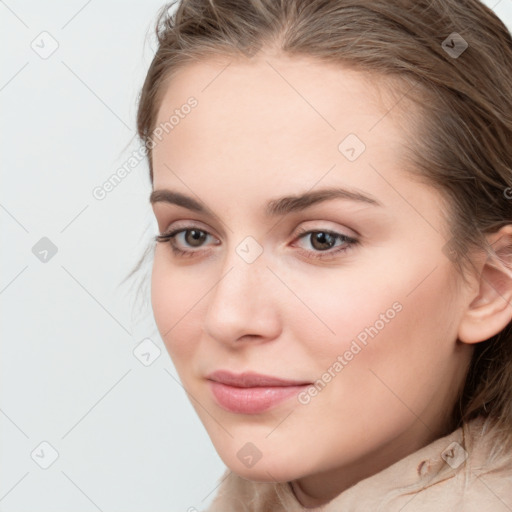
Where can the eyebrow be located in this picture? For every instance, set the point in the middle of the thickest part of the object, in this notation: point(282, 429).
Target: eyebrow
point(274, 207)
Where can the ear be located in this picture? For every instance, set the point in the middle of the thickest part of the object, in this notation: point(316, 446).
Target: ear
point(490, 310)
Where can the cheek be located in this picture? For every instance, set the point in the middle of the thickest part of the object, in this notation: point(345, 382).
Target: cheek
point(175, 300)
point(396, 292)
point(340, 306)
point(395, 322)
point(390, 357)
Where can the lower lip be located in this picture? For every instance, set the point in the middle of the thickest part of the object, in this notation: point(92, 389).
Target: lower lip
point(251, 400)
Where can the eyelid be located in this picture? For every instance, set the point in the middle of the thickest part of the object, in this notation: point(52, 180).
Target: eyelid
point(186, 224)
point(323, 225)
point(305, 231)
point(167, 214)
point(301, 230)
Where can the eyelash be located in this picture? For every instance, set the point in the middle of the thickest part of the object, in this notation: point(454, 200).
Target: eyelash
point(349, 241)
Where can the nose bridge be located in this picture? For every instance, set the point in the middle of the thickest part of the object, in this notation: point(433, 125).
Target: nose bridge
point(241, 303)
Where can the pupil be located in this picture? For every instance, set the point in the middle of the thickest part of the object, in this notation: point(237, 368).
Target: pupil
point(196, 238)
point(323, 238)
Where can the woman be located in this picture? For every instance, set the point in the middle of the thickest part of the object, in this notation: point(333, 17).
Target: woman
point(331, 181)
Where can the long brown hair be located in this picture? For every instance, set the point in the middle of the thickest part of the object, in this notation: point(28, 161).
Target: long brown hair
point(452, 58)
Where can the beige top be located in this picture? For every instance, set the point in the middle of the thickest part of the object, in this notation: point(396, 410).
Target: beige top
point(461, 472)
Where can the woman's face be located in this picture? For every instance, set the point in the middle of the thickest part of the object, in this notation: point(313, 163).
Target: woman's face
point(349, 289)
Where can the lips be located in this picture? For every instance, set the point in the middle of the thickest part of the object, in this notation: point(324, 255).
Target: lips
point(250, 380)
point(251, 393)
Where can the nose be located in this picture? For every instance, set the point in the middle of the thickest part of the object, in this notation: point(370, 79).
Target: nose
point(243, 305)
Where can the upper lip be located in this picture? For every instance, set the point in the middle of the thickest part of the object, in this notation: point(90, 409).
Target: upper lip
point(251, 379)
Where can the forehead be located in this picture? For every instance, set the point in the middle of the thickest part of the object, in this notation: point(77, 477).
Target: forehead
point(276, 96)
point(278, 123)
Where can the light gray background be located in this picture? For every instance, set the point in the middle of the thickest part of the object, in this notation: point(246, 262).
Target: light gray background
point(126, 435)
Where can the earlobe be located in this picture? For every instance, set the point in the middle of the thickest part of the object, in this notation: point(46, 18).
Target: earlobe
point(490, 311)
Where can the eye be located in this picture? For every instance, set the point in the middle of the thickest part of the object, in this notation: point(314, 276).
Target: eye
point(187, 237)
point(185, 241)
point(193, 237)
point(324, 242)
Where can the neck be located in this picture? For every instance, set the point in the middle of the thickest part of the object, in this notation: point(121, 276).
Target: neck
point(316, 490)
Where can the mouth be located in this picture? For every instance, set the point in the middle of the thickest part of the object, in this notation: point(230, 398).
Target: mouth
point(251, 393)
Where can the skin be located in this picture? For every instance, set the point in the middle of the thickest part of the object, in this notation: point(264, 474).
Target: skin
point(253, 137)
